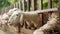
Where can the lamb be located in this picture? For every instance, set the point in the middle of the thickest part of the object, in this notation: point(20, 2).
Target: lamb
point(52, 24)
point(27, 18)
point(6, 16)
point(15, 20)
point(12, 16)
point(32, 21)
point(11, 11)
point(15, 17)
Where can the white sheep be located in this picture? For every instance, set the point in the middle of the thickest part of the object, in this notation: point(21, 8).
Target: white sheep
point(52, 24)
point(11, 11)
point(15, 18)
point(8, 14)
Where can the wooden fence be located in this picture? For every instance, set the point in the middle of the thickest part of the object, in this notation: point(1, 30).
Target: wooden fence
point(31, 6)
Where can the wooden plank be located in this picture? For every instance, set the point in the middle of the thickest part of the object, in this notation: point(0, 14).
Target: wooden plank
point(28, 5)
point(41, 11)
point(19, 4)
point(23, 4)
point(59, 7)
point(49, 3)
point(40, 4)
point(50, 6)
point(16, 4)
point(47, 15)
point(32, 5)
point(35, 6)
point(40, 8)
point(0, 11)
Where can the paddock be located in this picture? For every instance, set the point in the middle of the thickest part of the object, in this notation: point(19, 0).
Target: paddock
point(31, 9)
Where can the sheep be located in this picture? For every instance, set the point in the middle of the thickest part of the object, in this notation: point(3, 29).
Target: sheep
point(14, 20)
point(6, 17)
point(4, 22)
point(11, 11)
point(32, 21)
point(52, 24)
point(15, 17)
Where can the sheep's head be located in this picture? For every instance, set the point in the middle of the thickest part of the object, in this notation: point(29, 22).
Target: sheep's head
point(14, 19)
point(11, 11)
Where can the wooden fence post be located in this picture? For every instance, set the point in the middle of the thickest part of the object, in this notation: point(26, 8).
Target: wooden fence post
point(0, 11)
point(49, 3)
point(47, 15)
point(50, 6)
point(40, 15)
point(32, 5)
point(28, 4)
point(59, 8)
point(59, 5)
point(20, 4)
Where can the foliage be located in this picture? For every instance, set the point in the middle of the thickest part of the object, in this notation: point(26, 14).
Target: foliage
point(54, 3)
point(4, 3)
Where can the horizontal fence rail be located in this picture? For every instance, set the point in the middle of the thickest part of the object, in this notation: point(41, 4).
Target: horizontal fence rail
point(40, 11)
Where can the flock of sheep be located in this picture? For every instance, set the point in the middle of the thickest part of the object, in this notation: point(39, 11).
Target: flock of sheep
point(16, 16)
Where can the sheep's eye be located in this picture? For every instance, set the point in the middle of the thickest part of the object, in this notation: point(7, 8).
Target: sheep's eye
point(14, 10)
point(16, 14)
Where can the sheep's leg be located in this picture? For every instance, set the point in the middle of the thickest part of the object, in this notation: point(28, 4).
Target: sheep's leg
point(21, 23)
point(19, 28)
